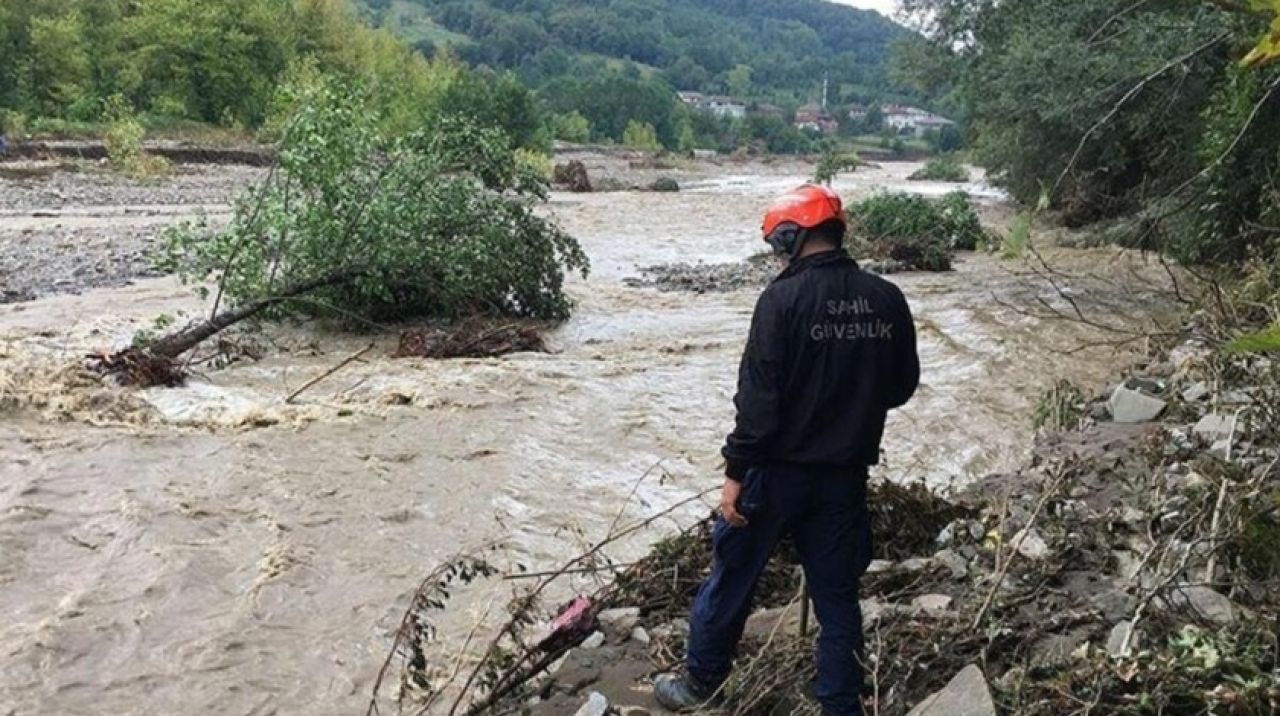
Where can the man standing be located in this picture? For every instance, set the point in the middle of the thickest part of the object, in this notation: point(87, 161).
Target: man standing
point(832, 350)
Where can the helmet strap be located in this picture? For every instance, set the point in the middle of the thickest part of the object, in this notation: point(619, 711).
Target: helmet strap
point(788, 240)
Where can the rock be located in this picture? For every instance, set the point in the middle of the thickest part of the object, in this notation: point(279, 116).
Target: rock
point(595, 641)
point(933, 605)
point(915, 564)
point(1236, 397)
point(1195, 392)
point(965, 695)
point(1212, 606)
point(1214, 426)
point(665, 184)
point(1116, 640)
point(763, 622)
point(1032, 545)
point(633, 711)
point(596, 705)
point(879, 565)
point(618, 623)
point(572, 176)
point(958, 565)
point(640, 635)
point(1133, 406)
point(1127, 563)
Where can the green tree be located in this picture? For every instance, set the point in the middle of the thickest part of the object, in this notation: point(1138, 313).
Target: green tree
point(59, 70)
point(640, 135)
point(738, 81)
point(439, 222)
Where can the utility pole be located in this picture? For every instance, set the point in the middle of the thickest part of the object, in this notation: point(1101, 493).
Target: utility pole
point(826, 82)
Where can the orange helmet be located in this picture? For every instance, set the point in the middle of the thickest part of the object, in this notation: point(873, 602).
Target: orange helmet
point(792, 215)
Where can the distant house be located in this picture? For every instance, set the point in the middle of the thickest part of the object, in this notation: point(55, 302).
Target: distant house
point(917, 121)
point(725, 106)
point(692, 99)
point(856, 112)
point(813, 118)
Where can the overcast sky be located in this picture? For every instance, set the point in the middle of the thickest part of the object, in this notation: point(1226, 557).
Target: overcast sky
point(885, 6)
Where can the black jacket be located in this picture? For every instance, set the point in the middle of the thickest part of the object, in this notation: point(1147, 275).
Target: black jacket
point(832, 350)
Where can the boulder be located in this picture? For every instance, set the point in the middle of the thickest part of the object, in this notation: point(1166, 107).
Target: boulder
point(933, 605)
point(965, 695)
point(1032, 545)
point(1213, 607)
point(763, 622)
point(640, 636)
point(595, 641)
point(957, 565)
point(596, 705)
point(1133, 406)
point(1115, 641)
point(665, 184)
point(1214, 426)
point(618, 623)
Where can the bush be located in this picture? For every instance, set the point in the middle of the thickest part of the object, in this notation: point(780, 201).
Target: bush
point(832, 164)
point(439, 222)
point(123, 140)
point(12, 123)
point(920, 233)
point(641, 135)
point(571, 127)
point(946, 168)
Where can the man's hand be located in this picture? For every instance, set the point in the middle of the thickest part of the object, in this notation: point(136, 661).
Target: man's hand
point(729, 503)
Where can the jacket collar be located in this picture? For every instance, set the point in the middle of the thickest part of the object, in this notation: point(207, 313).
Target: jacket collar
point(813, 261)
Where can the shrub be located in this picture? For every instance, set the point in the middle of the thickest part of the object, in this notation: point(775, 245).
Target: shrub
point(123, 140)
point(946, 168)
point(832, 164)
point(641, 135)
point(916, 231)
point(12, 123)
point(572, 127)
point(438, 222)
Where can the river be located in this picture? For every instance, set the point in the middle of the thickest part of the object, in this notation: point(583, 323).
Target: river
point(214, 549)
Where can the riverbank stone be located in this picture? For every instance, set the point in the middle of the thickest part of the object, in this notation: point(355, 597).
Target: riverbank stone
point(966, 694)
point(596, 705)
point(1129, 405)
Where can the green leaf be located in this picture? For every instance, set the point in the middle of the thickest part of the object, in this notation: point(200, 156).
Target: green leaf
point(1264, 341)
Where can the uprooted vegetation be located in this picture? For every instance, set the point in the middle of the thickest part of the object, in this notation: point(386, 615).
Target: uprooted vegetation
point(917, 232)
point(945, 168)
point(366, 228)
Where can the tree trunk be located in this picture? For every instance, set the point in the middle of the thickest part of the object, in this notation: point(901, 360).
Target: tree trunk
point(175, 344)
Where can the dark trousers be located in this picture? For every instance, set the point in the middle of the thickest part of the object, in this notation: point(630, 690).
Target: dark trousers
point(825, 513)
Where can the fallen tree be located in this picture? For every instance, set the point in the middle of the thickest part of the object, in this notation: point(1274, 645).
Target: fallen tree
point(367, 228)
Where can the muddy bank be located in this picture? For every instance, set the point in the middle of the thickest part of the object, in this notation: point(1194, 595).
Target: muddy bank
point(175, 152)
point(216, 548)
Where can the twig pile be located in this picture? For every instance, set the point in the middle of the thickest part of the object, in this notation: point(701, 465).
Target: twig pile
point(471, 339)
point(137, 367)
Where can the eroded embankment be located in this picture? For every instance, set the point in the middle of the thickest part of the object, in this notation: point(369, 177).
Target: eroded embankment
point(216, 547)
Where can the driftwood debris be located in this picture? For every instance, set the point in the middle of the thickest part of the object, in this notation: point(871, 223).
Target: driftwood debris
point(471, 339)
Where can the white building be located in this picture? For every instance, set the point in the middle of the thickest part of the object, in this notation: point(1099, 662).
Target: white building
point(903, 119)
point(725, 107)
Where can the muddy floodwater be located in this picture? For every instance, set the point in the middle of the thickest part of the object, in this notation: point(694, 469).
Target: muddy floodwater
point(214, 549)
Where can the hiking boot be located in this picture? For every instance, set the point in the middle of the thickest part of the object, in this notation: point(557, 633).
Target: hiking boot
point(680, 693)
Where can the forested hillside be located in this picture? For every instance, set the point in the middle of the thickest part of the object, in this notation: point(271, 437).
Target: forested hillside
point(223, 62)
point(775, 50)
